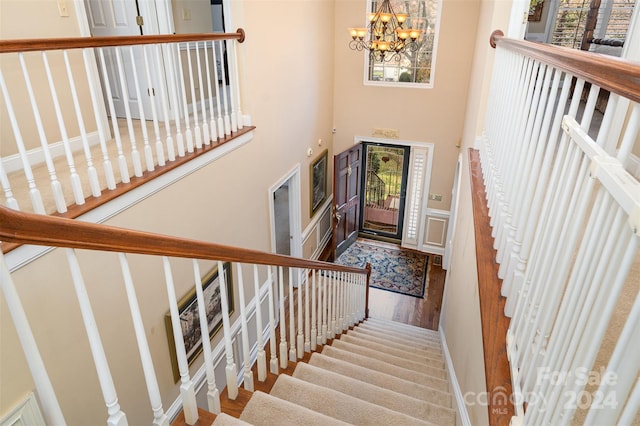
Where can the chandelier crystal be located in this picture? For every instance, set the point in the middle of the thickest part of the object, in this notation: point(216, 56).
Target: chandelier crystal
point(385, 37)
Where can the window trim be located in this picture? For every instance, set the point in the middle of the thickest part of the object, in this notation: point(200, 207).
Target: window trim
point(406, 85)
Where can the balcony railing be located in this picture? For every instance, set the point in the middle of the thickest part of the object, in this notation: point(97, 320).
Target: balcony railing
point(88, 119)
point(565, 217)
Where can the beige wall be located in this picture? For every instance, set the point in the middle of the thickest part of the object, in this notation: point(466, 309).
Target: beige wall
point(428, 115)
point(289, 90)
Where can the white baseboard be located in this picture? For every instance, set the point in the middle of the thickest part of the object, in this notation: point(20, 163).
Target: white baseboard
point(13, 163)
point(453, 380)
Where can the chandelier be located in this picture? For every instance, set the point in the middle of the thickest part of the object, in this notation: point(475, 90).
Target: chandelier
point(385, 37)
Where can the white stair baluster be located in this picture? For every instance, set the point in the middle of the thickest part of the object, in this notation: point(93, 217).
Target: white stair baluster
point(261, 360)
point(148, 152)
point(46, 395)
point(11, 201)
point(247, 374)
point(300, 336)
point(628, 343)
point(340, 302)
point(212, 123)
point(194, 99)
point(135, 155)
point(154, 111)
point(91, 170)
point(187, 391)
point(325, 304)
point(171, 153)
point(175, 103)
point(307, 325)
point(122, 160)
point(159, 416)
point(314, 331)
point(213, 395)
point(273, 359)
point(292, 322)
point(283, 324)
point(231, 371)
point(34, 192)
point(56, 186)
point(206, 137)
point(225, 89)
point(232, 85)
point(219, 120)
point(630, 135)
point(185, 107)
point(236, 86)
point(331, 324)
point(116, 415)
point(76, 185)
point(98, 103)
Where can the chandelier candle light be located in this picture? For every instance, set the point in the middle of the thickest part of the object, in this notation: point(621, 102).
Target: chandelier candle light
point(385, 37)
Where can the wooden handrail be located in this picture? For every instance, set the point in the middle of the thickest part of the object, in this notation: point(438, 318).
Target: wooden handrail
point(616, 75)
point(40, 44)
point(29, 228)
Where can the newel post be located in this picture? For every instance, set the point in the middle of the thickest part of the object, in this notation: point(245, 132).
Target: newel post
point(366, 300)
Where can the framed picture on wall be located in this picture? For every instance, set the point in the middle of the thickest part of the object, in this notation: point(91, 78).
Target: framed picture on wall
point(190, 320)
point(318, 178)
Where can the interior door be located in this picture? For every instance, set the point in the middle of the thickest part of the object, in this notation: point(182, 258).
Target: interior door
point(118, 18)
point(346, 198)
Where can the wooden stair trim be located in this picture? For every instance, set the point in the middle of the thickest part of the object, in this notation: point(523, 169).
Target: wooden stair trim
point(494, 323)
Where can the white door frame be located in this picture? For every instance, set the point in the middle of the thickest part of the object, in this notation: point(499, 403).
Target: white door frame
point(427, 178)
point(295, 213)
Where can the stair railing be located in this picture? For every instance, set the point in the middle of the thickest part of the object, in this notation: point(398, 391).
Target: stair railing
point(340, 293)
point(566, 223)
point(134, 108)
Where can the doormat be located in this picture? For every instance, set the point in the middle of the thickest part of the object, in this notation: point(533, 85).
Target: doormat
point(392, 267)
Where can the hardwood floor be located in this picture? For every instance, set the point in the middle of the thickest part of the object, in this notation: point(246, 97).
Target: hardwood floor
point(422, 312)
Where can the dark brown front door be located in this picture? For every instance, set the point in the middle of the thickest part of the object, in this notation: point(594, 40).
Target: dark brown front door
point(346, 201)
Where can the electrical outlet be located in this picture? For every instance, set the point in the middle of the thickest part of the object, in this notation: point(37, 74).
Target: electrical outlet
point(186, 14)
point(435, 197)
point(63, 10)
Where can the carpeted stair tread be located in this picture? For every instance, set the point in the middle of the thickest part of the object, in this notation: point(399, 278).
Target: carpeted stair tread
point(267, 410)
point(385, 367)
point(338, 405)
point(374, 338)
point(422, 344)
point(382, 379)
point(404, 327)
point(376, 395)
point(391, 359)
point(428, 338)
point(410, 355)
point(223, 419)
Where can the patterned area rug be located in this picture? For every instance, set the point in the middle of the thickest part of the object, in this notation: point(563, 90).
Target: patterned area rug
point(392, 268)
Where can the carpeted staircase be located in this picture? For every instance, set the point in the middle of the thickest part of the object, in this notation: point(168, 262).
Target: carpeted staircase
point(379, 373)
